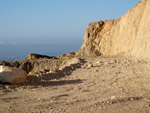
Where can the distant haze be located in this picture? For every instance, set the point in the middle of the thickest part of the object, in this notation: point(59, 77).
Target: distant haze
point(47, 49)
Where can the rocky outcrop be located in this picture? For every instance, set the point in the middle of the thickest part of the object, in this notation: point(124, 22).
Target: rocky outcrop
point(36, 65)
point(66, 56)
point(37, 56)
point(40, 69)
point(41, 65)
point(98, 37)
point(12, 75)
point(127, 36)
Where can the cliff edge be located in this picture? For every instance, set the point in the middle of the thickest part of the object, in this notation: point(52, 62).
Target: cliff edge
point(127, 36)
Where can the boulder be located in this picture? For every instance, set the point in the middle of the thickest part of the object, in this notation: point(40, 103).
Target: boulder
point(12, 75)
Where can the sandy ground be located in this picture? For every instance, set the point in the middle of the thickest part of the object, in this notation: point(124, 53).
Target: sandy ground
point(112, 85)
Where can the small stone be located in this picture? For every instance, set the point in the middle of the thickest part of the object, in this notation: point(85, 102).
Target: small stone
point(112, 62)
point(90, 65)
point(131, 98)
point(107, 102)
point(47, 72)
point(98, 62)
point(115, 61)
point(113, 97)
point(7, 87)
point(105, 63)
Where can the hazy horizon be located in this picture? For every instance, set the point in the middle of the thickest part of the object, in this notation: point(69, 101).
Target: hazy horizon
point(43, 48)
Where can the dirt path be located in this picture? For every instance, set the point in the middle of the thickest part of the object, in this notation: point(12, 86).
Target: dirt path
point(116, 85)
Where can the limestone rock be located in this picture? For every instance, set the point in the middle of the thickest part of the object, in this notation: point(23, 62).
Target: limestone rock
point(113, 97)
point(12, 75)
point(90, 65)
point(66, 56)
point(127, 36)
point(36, 56)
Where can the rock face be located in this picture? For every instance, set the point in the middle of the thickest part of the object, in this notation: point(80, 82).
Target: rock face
point(127, 36)
point(12, 75)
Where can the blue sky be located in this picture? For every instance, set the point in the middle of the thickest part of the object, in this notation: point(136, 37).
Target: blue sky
point(54, 21)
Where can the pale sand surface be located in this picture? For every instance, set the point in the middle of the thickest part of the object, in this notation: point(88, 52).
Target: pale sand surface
point(112, 85)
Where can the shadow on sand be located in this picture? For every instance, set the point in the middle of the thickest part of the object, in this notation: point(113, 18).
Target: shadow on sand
point(59, 82)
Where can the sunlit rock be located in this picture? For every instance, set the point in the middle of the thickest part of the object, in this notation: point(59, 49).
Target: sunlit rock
point(12, 75)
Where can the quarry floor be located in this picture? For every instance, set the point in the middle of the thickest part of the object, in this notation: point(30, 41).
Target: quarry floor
point(111, 85)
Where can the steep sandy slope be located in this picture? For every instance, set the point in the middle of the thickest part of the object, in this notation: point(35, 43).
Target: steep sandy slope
point(128, 36)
